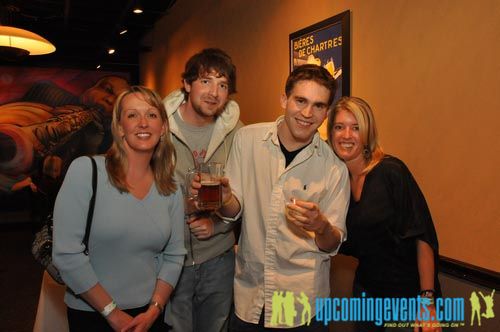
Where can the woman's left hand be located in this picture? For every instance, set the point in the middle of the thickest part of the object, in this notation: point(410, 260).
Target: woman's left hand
point(143, 321)
point(430, 325)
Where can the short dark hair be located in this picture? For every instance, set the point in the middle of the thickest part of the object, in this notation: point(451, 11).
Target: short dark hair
point(207, 61)
point(310, 72)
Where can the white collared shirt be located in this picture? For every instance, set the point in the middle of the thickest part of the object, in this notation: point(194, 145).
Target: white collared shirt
point(273, 254)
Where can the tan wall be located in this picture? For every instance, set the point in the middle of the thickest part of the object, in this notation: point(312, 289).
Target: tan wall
point(430, 69)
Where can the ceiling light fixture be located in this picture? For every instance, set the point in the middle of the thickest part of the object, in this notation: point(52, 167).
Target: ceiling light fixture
point(123, 31)
point(138, 9)
point(111, 51)
point(98, 67)
point(22, 42)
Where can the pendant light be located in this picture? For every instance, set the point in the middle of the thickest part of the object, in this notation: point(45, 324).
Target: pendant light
point(20, 42)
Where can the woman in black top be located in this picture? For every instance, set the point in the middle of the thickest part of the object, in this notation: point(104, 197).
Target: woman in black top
point(389, 226)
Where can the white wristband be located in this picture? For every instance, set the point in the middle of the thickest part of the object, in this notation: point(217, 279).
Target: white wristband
point(108, 309)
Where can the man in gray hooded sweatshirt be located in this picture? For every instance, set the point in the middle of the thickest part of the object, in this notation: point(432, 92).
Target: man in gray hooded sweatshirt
point(203, 122)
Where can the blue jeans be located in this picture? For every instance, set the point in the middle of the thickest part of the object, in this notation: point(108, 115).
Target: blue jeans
point(203, 296)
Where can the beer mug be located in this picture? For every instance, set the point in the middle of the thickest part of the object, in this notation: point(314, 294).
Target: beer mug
point(210, 194)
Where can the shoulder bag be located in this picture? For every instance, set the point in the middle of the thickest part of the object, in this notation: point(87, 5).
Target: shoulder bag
point(41, 247)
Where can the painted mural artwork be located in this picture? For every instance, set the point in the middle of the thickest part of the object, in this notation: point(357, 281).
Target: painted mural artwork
point(48, 117)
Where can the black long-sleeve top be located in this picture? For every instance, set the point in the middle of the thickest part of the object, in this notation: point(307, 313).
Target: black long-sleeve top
point(383, 228)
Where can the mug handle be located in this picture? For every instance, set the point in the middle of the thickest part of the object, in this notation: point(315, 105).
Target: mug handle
point(187, 183)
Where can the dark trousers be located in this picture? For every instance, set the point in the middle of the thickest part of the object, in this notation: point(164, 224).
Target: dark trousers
point(238, 325)
point(91, 321)
point(357, 289)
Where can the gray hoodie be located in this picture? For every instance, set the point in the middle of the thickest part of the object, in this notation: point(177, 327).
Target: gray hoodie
point(226, 124)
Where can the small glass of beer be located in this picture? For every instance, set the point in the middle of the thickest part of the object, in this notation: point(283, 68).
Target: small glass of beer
point(210, 193)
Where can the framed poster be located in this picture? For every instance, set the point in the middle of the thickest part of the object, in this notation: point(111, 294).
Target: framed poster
point(327, 44)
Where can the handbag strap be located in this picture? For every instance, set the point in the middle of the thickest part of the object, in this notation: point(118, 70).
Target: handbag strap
point(90, 213)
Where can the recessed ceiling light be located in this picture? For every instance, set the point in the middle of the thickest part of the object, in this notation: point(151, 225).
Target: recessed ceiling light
point(137, 10)
point(98, 66)
point(123, 31)
point(111, 51)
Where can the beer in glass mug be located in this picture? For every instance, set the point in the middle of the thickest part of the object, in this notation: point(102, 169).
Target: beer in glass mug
point(210, 193)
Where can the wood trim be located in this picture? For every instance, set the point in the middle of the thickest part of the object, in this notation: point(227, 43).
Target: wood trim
point(469, 272)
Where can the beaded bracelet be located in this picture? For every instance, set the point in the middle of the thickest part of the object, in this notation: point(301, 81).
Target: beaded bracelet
point(428, 294)
point(157, 305)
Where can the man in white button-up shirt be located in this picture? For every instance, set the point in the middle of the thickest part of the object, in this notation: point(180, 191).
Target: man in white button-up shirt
point(292, 193)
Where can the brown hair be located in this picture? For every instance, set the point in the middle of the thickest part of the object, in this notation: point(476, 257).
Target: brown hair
point(163, 159)
point(310, 72)
point(207, 61)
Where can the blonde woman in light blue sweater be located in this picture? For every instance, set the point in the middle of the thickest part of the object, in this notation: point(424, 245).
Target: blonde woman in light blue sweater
point(136, 246)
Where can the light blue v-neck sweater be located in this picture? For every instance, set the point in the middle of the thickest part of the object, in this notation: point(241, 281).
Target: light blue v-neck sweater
point(132, 242)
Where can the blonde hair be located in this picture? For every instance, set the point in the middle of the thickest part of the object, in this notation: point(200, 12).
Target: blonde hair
point(372, 152)
point(163, 159)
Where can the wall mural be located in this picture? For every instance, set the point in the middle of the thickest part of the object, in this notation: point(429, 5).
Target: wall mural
point(48, 117)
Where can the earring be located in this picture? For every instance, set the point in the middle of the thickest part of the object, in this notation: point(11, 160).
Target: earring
point(367, 153)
